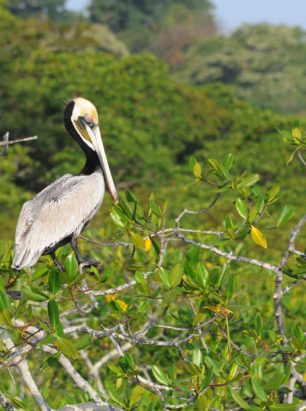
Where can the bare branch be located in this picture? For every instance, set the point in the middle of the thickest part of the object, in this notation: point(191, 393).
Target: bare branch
point(301, 158)
point(89, 406)
point(5, 143)
point(19, 140)
point(291, 246)
point(25, 373)
point(202, 211)
point(4, 402)
point(229, 256)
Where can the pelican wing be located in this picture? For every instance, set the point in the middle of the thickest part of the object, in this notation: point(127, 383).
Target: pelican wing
point(57, 212)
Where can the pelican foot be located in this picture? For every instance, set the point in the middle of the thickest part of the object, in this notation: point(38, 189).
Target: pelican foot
point(87, 263)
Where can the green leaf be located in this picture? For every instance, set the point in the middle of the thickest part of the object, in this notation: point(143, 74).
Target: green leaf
point(191, 162)
point(258, 324)
point(71, 266)
point(155, 245)
point(67, 347)
point(258, 389)
point(142, 284)
point(291, 157)
point(238, 399)
point(197, 170)
point(176, 275)
point(230, 286)
point(126, 208)
point(299, 333)
point(297, 135)
point(54, 281)
point(248, 181)
point(258, 237)
point(160, 375)
point(47, 339)
point(228, 161)
point(34, 295)
point(53, 313)
point(253, 213)
point(116, 370)
point(208, 378)
point(5, 308)
point(283, 407)
point(225, 172)
point(214, 164)
point(233, 371)
point(197, 357)
point(242, 208)
point(197, 276)
point(285, 215)
point(273, 192)
point(83, 342)
point(130, 197)
point(165, 277)
point(202, 403)
point(154, 206)
point(113, 392)
point(116, 218)
point(136, 395)
point(298, 340)
point(228, 223)
point(5, 304)
point(137, 240)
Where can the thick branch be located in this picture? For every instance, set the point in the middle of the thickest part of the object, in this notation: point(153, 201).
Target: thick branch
point(25, 373)
point(4, 402)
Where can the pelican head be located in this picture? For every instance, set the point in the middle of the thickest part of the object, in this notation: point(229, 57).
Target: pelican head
point(83, 116)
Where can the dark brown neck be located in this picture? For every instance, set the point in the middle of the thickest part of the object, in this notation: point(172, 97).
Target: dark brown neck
point(92, 161)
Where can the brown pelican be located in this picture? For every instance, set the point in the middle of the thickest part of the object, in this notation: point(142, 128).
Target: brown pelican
point(58, 214)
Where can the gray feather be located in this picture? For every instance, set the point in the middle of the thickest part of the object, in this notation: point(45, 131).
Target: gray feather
point(59, 211)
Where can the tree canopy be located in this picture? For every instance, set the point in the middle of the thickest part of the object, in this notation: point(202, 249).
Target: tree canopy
point(264, 64)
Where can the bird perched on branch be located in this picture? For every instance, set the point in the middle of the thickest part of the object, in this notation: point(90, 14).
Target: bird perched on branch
point(58, 214)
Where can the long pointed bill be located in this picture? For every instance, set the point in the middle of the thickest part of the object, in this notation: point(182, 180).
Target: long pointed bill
point(95, 137)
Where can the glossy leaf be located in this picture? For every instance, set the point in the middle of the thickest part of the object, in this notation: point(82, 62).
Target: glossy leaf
point(228, 161)
point(239, 400)
point(258, 324)
point(258, 389)
point(242, 208)
point(248, 181)
point(208, 378)
point(258, 237)
point(54, 281)
point(137, 240)
point(130, 197)
point(197, 170)
point(165, 277)
point(160, 375)
point(71, 266)
point(285, 215)
point(53, 312)
point(67, 347)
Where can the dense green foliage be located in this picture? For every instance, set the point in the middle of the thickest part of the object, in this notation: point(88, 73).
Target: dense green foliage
point(201, 322)
point(28, 8)
point(264, 64)
point(165, 27)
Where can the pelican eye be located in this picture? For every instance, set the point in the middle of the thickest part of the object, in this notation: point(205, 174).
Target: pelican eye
point(88, 121)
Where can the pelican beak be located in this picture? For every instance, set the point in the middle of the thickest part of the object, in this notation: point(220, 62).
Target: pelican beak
point(94, 134)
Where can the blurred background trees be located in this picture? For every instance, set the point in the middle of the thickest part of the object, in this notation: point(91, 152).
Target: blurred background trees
point(29, 8)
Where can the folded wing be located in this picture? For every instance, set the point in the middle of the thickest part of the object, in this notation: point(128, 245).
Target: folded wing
point(58, 212)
